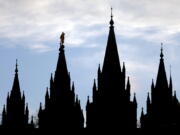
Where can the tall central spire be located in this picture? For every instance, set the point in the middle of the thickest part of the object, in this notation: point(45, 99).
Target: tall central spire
point(111, 60)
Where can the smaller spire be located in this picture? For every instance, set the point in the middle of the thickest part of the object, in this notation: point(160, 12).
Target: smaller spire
point(77, 98)
point(94, 90)
point(123, 64)
point(32, 121)
point(111, 21)
point(94, 85)
point(124, 68)
point(152, 85)
point(26, 105)
point(99, 68)
point(16, 70)
point(27, 110)
point(47, 93)
point(128, 89)
point(40, 110)
point(142, 112)
point(134, 100)
point(128, 84)
point(73, 87)
point(88, 101)
point(161, 55)
point(4, 109)
point(23, 97)
point(40, 107)
point(51, 76)
point(148, 98)
point(128, 81)
point(51, 81)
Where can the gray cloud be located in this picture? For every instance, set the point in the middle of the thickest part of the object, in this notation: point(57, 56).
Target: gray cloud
point(39, 20)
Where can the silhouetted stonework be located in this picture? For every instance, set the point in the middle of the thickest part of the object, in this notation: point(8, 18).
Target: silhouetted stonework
point(15, 114)
point(62, 108)
point(163, 108)
point(111, 105)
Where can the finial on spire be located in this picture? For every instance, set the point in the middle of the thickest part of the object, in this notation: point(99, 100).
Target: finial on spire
point(161, 55)
point(111, 21)
point(170, 70)
point(16, 70)
point(62, 37)
point(111, 12)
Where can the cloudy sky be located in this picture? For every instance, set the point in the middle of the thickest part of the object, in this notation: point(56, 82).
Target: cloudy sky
point(29, 31)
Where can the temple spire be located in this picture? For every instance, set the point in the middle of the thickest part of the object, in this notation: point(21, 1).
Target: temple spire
point(152, 85)
point(128, 83)
point(142, 111)
point(111, 59)
point(61, 69)
point(88, 101)
point(134, 99)
point(148, 98)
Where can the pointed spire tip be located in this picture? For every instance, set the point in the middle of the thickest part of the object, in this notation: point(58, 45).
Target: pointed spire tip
point(111, 21)
point(16, 69)
point(161, 55)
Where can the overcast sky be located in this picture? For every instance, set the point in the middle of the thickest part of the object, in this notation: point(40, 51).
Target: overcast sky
point(30, 30)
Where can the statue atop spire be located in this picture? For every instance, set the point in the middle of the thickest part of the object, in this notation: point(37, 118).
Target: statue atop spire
point(62, 37)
